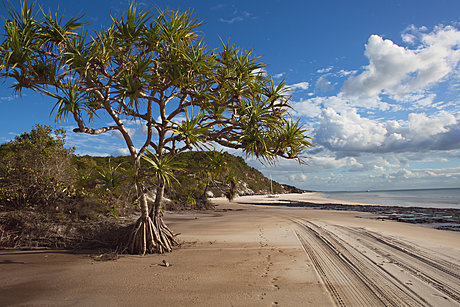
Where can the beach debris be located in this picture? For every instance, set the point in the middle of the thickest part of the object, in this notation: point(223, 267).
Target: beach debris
point(165, 263)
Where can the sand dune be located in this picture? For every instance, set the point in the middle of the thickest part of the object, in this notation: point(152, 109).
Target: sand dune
point(246, 255)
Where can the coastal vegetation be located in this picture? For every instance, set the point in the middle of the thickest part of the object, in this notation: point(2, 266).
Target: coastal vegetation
point(50, 197)
point(155, 69)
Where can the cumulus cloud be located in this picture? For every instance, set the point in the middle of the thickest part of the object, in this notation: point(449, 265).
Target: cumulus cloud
point(350, 134)
point(349, 131)
point(308, 107)
point(421, 126)
point(398, 71)
point(312, 107)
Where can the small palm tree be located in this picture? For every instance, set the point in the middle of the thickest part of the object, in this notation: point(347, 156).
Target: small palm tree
point(190, 200)
point(163, 169)
point(111, 174)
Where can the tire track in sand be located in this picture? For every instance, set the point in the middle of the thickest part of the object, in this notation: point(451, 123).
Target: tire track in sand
point(360, 268)
point(437, 272)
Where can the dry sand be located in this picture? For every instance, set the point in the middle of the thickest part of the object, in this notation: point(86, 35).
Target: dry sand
point(253, 255)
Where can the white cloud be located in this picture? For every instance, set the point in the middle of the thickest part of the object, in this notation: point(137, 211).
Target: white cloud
point(325, 70)
point(350, 134)
point(309, 107)
point(131, 132)
point(232, 20)
point(418, 100)
point(349, 131)
point(280, 75)
point(312, 107)
point(120, 152)
point(423, 127)
point(323, 84)
point(379, 169)
point(344, 73)
point(259, 71)
point(329, 162)
point(399, 71)
point(301, 86)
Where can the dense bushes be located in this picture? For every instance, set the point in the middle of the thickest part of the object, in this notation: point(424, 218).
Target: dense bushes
point(35, 170)
point(49, 197)
point(38, 173)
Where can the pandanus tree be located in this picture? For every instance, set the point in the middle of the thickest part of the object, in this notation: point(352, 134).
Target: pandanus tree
point(153, 67)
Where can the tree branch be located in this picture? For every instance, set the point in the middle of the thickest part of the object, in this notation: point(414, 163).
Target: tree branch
point(95, 131)
point(181, 107)
point(149, 130)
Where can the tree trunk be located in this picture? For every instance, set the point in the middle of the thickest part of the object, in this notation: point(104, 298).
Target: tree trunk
point(204, 197)
point(150, 234)
point(156, 209)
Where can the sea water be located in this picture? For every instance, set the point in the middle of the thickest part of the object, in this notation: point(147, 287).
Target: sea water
point(436, 198)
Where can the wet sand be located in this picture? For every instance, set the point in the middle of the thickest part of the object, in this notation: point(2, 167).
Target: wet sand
point(243, 254)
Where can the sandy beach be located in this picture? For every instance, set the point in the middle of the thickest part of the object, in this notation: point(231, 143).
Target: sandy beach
point(253, 253)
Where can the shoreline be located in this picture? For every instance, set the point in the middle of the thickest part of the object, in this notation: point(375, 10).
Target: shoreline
point(438, 218)
point(427, 198)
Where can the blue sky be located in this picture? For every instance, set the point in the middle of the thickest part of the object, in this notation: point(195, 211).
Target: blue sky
point(377, 83)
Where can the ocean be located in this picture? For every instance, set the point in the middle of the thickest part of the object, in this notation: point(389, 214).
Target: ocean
point(435, 198)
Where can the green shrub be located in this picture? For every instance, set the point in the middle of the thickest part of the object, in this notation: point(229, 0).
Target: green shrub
point(35, 169)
